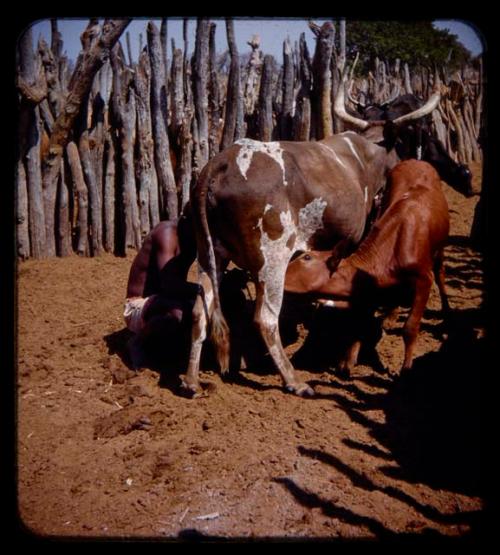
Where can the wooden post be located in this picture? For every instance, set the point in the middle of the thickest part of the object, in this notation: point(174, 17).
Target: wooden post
point(322, 79)
point(109, 194)
point(22, 229)
point(32, 93)
point(302, 117)
point(265, 113)
point(176, 91)
point(186, 133)
point(149, 213)
point(81, 195)
point(96, 50)
point(233, 89)
point(129, 50)
point(287, 106)
point(254, 64)
point(63, 226)
point(213, 98)
point(166, 180)
point(123, 101)
point(200, 91)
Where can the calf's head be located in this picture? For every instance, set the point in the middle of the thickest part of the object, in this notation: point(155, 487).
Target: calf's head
point(308, 272)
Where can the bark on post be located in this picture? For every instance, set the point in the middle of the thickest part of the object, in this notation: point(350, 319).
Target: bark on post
point(287, 105)
point(302, 117)
point(54, 103)
point(233, 89)
point(90, 60)
point(479, 99)
point(200, 90)
point(29, 143)
point(22, 229)
point(62, 216)
point(186, 133)
point(254, 63)
point(109, 196)
point(149, 214)
point(458, 130)
point(124, 112)
point(164, 41)
point(176, 91)
point(166, 180)
point(81, 195)
point(56, 43)
point(322, 79)
point(129, 49)
point(265, 113)
point(213, 98)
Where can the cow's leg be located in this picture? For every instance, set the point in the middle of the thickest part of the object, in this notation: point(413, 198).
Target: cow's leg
point(190, 382)
point(412, 325)
point(439, 276)
point(267, 309)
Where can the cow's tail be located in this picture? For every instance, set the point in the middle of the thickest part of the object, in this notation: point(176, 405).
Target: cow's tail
point(219, 330)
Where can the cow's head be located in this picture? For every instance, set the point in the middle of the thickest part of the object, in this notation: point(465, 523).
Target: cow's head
point(455, 174)
point(374, 129)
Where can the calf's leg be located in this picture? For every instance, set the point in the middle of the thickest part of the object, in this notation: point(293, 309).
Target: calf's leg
point(439, 276)
point(422, 288)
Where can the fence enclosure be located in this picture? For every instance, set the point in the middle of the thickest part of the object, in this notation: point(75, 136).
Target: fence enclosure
point(109, 149)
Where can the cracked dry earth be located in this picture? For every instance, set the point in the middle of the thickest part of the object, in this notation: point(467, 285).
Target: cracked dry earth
point(106, 452)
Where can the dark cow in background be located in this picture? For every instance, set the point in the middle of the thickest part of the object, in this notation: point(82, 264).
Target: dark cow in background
point(416, 140)
point(394, 264)
point(258, 203)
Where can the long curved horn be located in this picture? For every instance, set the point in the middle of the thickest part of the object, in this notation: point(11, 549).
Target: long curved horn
point(339, 105)
point(427, 108)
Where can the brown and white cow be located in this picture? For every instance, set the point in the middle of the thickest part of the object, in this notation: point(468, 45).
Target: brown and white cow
point(257, 203)
point(397, 259)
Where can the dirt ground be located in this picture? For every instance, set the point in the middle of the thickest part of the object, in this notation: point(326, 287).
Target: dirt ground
point(103, 451)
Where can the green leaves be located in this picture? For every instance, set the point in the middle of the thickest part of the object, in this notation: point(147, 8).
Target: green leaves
point(415, 42)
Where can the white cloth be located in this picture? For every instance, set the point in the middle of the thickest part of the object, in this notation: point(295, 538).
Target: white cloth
point(133, 313)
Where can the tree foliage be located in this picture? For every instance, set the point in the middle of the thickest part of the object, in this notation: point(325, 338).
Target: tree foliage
point(415, 42)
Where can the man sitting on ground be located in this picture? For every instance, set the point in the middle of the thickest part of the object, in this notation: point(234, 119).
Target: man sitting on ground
point(159, 297)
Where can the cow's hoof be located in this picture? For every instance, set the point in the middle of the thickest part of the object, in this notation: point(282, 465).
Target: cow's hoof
point(189, 389)
point(301, 389)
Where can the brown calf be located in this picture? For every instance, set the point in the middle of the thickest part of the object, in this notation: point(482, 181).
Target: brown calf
point(395, 263)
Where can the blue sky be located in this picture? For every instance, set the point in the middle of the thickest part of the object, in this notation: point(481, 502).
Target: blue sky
point(272, 32)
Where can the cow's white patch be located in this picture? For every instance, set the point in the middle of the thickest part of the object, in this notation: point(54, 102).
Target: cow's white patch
point(267, 208)
point(310, 220)
point(351, 146)
point(249, 147)
point(335, 155)
point(419, 152)
point(277, 253)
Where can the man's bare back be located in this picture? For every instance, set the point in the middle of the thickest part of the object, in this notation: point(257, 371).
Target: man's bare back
point(157, 289)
